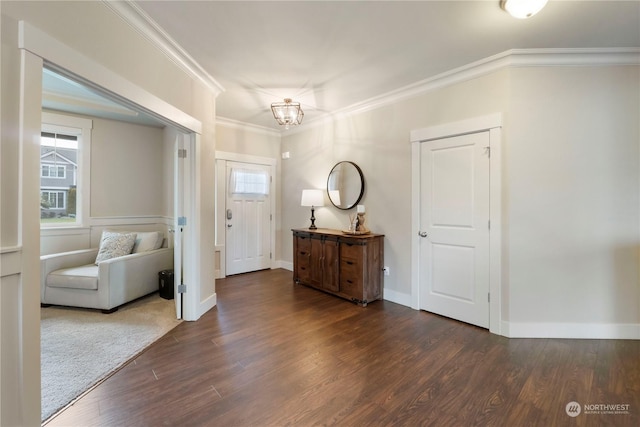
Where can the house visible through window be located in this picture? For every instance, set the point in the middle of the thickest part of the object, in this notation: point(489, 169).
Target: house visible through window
point(58, 176)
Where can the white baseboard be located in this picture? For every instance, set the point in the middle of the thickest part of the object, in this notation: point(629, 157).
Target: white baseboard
point(619, 331)
point(284, 264)
point(397, 297)
point(207, 305)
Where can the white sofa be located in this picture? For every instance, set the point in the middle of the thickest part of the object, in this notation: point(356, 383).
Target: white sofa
point(73, 279)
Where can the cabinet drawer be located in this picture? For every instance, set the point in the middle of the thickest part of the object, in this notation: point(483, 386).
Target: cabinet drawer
point(350, 270)
point(348, 287)
point(304, 245)
point(351, 250)
point(351, 285)
point(303, 269)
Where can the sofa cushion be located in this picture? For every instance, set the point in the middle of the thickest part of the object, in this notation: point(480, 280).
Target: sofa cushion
point(148, 241)
point(82, 277)
point(113, 245)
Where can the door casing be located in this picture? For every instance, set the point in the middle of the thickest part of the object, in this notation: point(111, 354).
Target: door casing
point(493, 124)
point(239, 206)
point(221, 194)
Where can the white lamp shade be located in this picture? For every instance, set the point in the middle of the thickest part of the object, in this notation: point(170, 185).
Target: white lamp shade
point(312, 198)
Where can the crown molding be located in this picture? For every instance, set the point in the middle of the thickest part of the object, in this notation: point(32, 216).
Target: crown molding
point(141, 22)
point(514, 58)
point(236, 124)
point(507, 59)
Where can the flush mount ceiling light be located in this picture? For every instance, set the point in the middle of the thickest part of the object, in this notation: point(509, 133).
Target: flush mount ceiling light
point(522, 9)
point(287, 113)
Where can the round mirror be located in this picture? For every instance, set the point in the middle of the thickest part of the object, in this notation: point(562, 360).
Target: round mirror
point(345, 185)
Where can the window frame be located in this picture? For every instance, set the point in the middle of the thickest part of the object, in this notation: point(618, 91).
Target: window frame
point(80, 127)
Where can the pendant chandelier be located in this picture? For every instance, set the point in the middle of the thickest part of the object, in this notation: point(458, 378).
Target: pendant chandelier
point(287, 113)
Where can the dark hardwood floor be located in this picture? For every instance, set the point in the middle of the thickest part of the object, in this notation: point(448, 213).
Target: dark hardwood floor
point(277, 354)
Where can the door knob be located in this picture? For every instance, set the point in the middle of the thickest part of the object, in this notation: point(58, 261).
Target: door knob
point(229, 225)
point(422, 233)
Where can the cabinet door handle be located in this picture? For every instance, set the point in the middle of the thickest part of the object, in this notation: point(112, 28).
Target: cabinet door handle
point(349, 281)
point(349, 262)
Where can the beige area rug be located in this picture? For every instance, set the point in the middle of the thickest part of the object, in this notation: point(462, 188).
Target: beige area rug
point(79, 348)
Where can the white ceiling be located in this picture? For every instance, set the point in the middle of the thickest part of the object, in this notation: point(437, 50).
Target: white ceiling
point(330, 55)
point(334, 55)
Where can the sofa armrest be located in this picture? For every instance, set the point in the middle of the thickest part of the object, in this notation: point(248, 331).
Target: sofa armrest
point(70, 259)
point(134, 275)
point(53, 262)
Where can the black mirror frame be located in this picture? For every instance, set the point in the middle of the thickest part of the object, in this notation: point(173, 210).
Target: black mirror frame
point(361, 185)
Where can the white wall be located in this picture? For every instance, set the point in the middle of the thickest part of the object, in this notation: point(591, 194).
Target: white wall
point(378, 141)
point(574, 194)
point(126, 169)
point(570, 196)
point(93, 30)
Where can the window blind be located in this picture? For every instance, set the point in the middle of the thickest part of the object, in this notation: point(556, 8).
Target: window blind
point(248, 181)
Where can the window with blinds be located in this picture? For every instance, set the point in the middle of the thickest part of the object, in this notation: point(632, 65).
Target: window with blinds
point(248, 181)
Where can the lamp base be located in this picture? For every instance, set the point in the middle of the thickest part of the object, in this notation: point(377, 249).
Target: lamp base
point(313, 220)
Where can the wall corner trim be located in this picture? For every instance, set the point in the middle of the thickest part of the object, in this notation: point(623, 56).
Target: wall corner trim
point(140, 21)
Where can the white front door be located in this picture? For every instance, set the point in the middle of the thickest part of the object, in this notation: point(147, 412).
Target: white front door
point(248, 218)
point(454, 224)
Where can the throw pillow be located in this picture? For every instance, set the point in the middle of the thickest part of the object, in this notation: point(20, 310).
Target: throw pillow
point(148, 241)
point(113, 245)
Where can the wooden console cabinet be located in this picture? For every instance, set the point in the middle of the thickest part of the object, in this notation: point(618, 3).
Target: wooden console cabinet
point(346, 265)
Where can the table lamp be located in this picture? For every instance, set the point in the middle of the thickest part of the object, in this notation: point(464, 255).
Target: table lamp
point(312, 198)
